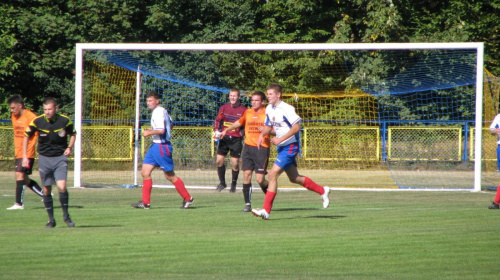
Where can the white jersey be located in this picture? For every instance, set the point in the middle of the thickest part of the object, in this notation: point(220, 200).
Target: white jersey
point(496, 124)
point(282, 118)
point(160, 120)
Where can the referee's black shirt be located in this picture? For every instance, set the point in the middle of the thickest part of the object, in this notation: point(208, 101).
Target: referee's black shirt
point(52, 134)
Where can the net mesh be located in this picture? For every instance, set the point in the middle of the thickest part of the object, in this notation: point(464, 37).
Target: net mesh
point(405, 116)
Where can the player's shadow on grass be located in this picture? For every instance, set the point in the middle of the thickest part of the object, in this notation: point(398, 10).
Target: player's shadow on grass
point(179, 208)
point(101, 226)
point(333, 217)
point(59, 207)
point(293, 209)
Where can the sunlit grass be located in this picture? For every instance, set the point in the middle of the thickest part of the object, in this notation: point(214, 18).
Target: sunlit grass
point(363, 235)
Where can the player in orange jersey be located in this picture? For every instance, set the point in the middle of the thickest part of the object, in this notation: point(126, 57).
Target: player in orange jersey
point(253, 159)
point(21, 118)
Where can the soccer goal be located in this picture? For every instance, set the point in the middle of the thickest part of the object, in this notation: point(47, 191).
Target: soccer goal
point(377, 116)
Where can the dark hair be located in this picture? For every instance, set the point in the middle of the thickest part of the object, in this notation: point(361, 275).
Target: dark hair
point(275, 86)
point(259, 93)
point(153, 93)
point(16, 98)
point(235, 89)
point(50, 100)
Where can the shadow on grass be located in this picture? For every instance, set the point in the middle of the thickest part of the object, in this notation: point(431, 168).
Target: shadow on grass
point(333, 217)
point(101, 226)
point(293, 209)
point(59, 207)
point(172, 207)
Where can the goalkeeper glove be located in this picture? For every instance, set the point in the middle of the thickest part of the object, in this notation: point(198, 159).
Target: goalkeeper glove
point(217, 135)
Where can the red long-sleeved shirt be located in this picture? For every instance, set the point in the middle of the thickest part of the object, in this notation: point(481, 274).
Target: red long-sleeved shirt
point(227, 116)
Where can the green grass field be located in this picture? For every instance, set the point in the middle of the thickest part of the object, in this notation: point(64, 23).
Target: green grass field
point(363, 235)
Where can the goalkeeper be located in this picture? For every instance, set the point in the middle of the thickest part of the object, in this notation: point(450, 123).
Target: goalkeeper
point(231, 142)
point(253, 159)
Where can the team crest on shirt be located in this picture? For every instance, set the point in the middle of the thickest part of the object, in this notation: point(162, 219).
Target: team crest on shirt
point(62, 133)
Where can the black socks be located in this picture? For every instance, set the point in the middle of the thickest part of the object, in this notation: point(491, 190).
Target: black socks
point(221, 171)
point(19, 192)
point(49, 206)
point(247, 192)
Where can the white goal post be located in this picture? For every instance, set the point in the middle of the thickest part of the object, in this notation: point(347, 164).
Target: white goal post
point(81, 47)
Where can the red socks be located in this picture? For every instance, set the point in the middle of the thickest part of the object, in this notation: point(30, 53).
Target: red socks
point(147, 185)
point(181, 189)
point(310, 185)
point(268, 201)
point(497, 196)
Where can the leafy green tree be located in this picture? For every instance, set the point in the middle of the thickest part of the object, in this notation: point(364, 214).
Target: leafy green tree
point(38, 37)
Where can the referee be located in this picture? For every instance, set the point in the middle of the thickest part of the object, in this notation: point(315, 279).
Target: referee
point(53, 149)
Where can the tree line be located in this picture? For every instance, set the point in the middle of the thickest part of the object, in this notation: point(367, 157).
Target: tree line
point(38, 37)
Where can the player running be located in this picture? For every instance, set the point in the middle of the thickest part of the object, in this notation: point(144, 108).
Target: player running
point(286, 123)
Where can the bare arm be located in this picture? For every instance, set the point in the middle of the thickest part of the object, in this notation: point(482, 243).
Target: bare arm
point(149, 132)
point(266, 130)
point(25, 162)
point(70, 146)
point(235, 125)
point(261, 128)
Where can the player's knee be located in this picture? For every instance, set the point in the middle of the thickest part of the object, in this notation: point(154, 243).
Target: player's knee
point(172, 179)
point(263, 184)
point(260, 180)
point(272, 176)
point(219, 162)
point(46, 191)
point(295, 180)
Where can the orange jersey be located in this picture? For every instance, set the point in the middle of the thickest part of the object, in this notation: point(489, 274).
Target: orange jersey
point(19, 126)
point(252, 121)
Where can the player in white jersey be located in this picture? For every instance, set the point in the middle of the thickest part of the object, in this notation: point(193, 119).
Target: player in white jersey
point(286, 123)
point(159, 154)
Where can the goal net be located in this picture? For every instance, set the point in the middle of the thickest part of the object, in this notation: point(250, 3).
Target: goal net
point(402, 116)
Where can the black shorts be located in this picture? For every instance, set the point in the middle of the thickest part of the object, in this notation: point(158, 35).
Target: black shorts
point(25, 170)
point(233, 144)
point(255, 159)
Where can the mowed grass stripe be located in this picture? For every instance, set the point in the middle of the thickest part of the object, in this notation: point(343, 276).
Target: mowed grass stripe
point(363, 235)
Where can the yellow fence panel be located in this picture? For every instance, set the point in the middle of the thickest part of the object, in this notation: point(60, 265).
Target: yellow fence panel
point(7, 138)
point(111, 143)
point(489, 145)
point(424, 143)
point(341, 143)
